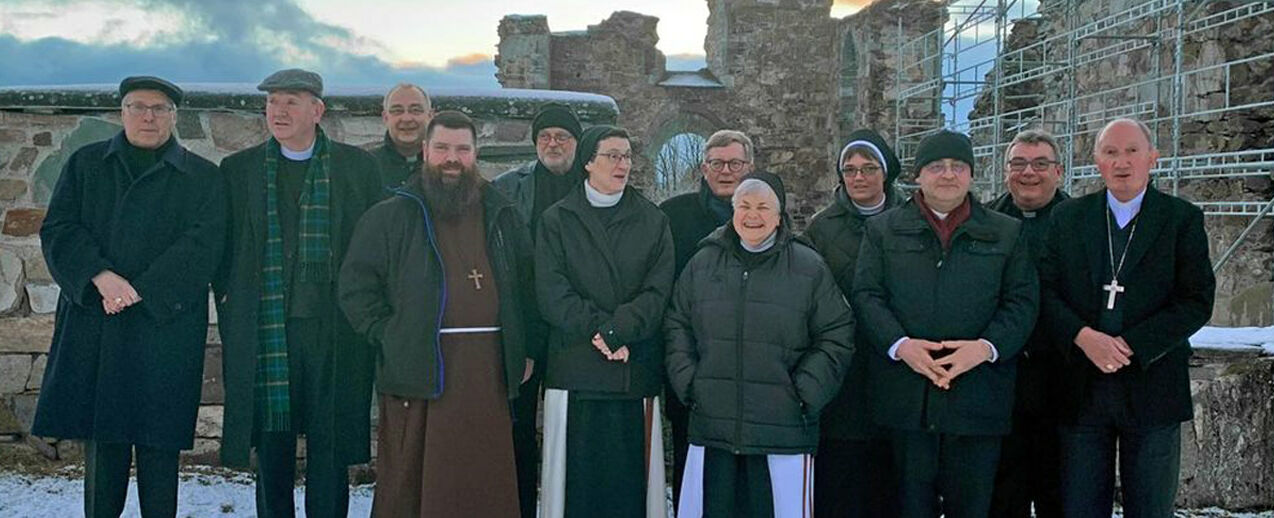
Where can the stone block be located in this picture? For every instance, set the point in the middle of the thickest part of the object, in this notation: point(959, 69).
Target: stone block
point(213, 391)
point(21, 163)
point(8, 421)
point(209, 422)
point(43, 297)
point(189, 127)
point(42, 139)
point(1227, 453)
point(512, 131)
point(88, 130)
point(37, 372)
point(206, 452)
point(33, 265)
point(11, 189)
point(232, 132)
point(24, 409)
point(11, 278)
point(14, 371)
point(26, 334)
point(11, 135)
point(70, 450)
point(22, 222)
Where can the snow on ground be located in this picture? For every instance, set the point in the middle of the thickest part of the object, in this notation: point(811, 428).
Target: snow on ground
point(209, 492)
point(201, 493)
point(1235, 338)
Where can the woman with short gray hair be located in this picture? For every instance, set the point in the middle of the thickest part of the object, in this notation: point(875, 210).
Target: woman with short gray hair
point(758, 339)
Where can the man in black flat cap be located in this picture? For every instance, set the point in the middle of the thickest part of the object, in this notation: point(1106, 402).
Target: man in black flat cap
point(533, 187)
point(132, 236)
point(292, 364)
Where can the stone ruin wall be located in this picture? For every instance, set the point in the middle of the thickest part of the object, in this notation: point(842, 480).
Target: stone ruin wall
point(40, 129)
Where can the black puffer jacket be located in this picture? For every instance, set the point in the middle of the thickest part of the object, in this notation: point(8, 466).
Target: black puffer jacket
point(610, 278)
point(757, 344)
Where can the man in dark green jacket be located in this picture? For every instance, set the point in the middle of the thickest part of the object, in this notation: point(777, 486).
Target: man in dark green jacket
point(1030, 464)
point(948, 295)
point(292, 364)
point(727, 158)
point(406, 285)
point(533, 187)
point(406, 112)
point(854, 473)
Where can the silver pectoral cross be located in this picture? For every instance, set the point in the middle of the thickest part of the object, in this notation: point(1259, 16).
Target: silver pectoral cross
point(477, 279)
point(1114, 289)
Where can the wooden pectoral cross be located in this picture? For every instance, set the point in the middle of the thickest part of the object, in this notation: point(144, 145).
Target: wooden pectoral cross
point(1113, 289)
point(477, 279)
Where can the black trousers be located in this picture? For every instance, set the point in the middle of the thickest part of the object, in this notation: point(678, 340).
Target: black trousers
point(526, 453)
point(106, 467)
point(310, 388)
point(1149, 458)
point(679, 420)
point(736, 486)
point(945, 473)
point(855, 479)
point(1030, 470)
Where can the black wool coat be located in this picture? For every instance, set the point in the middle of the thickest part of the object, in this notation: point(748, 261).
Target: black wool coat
point(757, 345)
point(690, 220)
point(609, 278)
point(394, 169)
point(1170, 291)
point(355, 186)
point(836, 232)
point(134, 377)
point(392, 289)
point(984, 287)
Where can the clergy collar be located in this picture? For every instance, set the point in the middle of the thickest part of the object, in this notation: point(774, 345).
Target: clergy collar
point(872, 210)
point(764, 245)
point(599, 200)
point(1125, 211)
point(298, 156)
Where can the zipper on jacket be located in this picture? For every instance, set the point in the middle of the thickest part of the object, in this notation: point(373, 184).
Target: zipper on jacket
point(442, 302)
point(738, 364)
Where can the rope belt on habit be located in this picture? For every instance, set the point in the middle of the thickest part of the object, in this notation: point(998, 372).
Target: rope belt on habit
point(468, 330)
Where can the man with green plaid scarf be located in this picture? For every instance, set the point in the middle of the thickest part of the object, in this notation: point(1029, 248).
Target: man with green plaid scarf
point(292, 364)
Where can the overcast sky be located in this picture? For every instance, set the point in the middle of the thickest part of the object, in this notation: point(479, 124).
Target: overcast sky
point(435, 43)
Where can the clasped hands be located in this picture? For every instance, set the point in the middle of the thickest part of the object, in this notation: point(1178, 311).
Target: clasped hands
point(117, 293)
point(964, 355)
point(618, 355)
point(1108, 353)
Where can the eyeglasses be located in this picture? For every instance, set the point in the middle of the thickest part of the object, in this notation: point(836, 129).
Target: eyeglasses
point(414, 110)
point(939, 167)
point(560, 138)
point(867, 171)
point(617, 157)
point(735, 165)
point(1038, 165)
point(139, 109)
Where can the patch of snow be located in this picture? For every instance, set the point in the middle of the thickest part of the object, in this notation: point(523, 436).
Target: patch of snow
point(203, 493)
point(1235, 338)
point(689, 80)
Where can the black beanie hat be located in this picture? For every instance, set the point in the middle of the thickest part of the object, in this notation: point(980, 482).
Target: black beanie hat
point(555, 115)
point(588, 141)
point(870, 139)
point(944, 144)
point(774, 182)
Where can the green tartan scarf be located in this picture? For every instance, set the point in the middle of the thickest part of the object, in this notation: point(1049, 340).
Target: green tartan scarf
point(314, 249)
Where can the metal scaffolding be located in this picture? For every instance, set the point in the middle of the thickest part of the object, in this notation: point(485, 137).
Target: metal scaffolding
point(972, 83)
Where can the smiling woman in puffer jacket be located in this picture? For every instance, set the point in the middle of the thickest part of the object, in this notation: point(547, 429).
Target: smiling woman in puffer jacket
point(758, 339)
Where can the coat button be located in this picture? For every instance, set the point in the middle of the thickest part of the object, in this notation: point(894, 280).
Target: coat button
point(177, 306)
point(406, 404)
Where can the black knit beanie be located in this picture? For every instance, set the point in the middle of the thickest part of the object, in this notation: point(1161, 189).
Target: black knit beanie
point(555, 115)
point(944, 144)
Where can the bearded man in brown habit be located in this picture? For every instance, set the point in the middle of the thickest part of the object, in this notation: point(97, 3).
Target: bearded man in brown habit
point(438, 277)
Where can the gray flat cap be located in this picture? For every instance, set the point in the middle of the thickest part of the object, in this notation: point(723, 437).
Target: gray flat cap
point(129, 84)
point(293, 79)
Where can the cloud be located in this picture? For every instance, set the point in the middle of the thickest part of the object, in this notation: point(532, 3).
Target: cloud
point(228, 41)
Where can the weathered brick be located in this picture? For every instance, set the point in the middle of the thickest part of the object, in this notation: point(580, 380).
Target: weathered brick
point(21, 163)
point(209, 421)
point(42, 139)
point(42, 297)
point(11, 279)
point(37, 372)
point(22, 222)
point(26, 334)
point(10, 135)
point(14, 371)
point(11, 189)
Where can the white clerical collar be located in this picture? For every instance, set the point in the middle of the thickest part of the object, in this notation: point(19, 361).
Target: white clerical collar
point(1124, 211)
point(940, 215)
point(599, 200)
point(763, 245)
point(298, 156)
point(872, 210)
